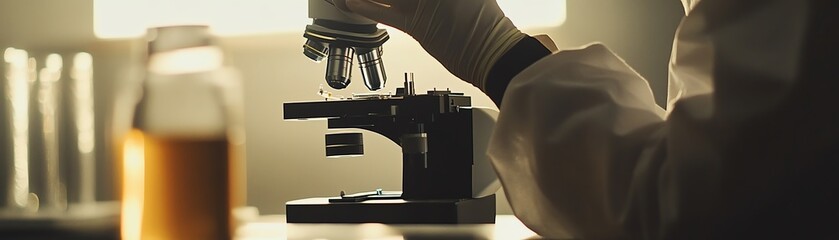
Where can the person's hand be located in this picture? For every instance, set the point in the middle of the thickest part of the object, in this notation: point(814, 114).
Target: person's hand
point(466, 36)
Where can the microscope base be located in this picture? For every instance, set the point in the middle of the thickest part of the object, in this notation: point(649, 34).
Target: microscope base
point(397, 211)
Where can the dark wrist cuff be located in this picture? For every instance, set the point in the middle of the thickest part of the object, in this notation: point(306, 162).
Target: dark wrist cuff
point(522, 55)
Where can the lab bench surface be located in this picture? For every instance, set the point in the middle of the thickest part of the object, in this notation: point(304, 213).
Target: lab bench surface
point(275, 227)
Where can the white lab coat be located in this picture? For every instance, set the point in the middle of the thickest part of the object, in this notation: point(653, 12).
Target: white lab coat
point(748, 145)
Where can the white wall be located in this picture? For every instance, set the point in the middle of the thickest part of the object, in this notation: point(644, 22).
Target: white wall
point(285, 159)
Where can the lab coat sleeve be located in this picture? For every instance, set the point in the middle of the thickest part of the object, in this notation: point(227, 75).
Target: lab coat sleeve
point(572, 128)
point(583, 151)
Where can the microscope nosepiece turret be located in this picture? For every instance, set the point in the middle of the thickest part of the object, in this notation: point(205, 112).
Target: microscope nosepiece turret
point(337, 36)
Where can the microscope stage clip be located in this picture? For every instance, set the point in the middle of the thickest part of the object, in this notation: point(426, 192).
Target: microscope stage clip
point(361, 197)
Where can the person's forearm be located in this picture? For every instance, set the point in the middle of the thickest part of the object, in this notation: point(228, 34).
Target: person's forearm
point(522, 55)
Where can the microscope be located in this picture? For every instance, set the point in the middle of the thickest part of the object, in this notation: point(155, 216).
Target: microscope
point(447, 176)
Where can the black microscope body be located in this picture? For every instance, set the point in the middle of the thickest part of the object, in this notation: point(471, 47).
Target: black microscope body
point(434, 131)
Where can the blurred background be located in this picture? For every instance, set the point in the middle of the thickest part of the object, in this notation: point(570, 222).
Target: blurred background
point(263, 39)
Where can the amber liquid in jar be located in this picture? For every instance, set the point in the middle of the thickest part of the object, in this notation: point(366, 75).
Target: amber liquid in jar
point(187, 189)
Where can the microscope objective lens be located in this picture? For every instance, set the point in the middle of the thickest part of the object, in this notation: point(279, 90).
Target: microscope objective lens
point(339, 67)
point(314, 50)
point(372, 68)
